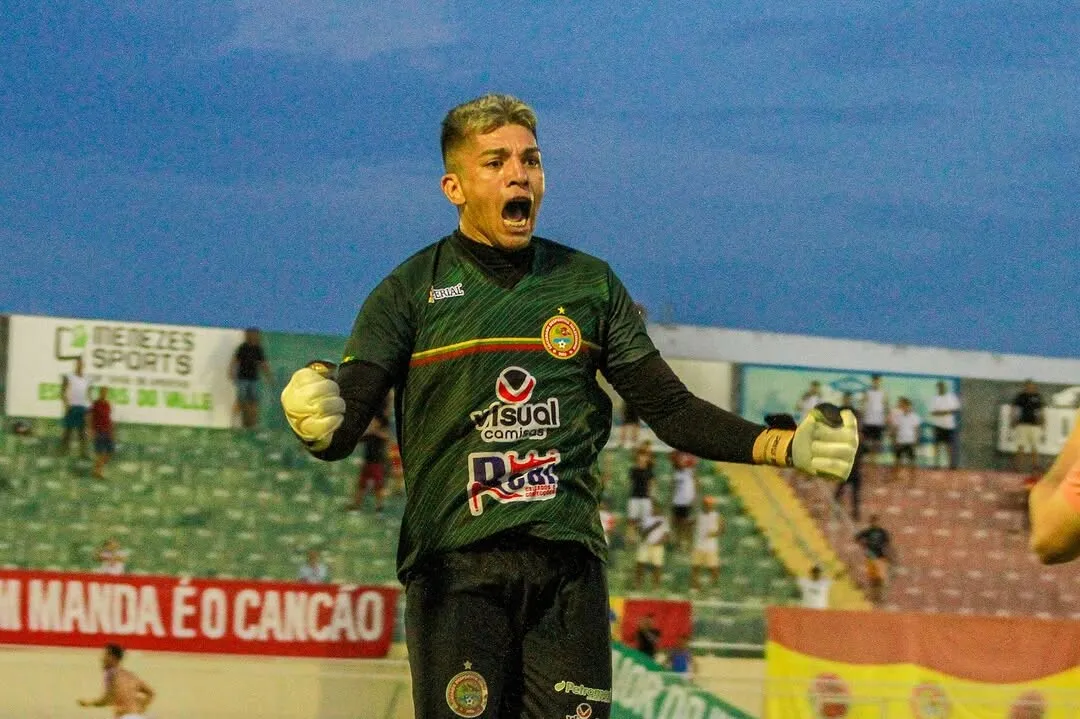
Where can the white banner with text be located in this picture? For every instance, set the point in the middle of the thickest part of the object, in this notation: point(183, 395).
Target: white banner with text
point(156, 374)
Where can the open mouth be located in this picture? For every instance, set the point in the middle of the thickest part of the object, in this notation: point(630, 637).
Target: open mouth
point(516, 212)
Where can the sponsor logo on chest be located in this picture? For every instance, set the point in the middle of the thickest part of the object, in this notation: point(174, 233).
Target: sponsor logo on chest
point(512, 417)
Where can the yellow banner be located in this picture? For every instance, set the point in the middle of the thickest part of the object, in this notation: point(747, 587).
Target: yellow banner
point(873, 665)
point(805, 687)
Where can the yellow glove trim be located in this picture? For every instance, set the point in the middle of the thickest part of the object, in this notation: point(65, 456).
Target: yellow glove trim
point(773, 446)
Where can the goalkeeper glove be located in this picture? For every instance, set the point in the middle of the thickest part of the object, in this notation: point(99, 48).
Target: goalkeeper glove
point(313, 405)
point(823, 444)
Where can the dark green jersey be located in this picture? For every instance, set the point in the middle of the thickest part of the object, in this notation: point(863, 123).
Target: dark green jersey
point(500, 415)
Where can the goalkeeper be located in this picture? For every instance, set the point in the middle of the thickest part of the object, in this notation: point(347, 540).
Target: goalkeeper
point(492, 339)
point(1054, 505)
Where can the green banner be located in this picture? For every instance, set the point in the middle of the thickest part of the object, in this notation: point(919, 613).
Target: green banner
point(642, 689)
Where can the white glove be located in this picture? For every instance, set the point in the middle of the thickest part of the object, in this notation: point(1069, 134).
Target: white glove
point(824, 444)
point(313, 406)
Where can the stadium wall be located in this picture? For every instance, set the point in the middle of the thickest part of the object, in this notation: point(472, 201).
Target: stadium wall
point(979, 421)
point(743, 346)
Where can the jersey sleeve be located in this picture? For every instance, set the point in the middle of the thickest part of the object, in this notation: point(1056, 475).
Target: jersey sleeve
point(626, 340)
point(384, 330)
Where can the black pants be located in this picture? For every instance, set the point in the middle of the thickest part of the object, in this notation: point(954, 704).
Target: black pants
point(516, 628)
point(854, 484)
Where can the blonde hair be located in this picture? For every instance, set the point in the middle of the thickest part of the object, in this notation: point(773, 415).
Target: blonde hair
point(481, 116)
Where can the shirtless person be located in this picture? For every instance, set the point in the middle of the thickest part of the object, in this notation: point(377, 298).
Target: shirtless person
point(126, 693)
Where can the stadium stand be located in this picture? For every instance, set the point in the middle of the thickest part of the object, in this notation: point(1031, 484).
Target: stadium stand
point(960, 544)
point(213, 503)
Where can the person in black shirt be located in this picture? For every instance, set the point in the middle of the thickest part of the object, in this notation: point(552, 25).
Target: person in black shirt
point(853, 483)
point(647, 636)
point(247, 363)
point(1028, 425)
point(641, 479)
point(373, 471)
point(877, 546)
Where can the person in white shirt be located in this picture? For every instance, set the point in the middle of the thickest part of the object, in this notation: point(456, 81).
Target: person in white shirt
point(112, 558)
point(815, 589)
point(313, 571)
point(874, 415)
point(683, 494)
point(905, 431)
point(943, 409)
point(707, 531)
point(654, 533)
point(811, 399)
point(75, 394)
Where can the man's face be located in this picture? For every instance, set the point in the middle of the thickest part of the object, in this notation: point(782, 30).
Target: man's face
point(108, 661)
point(497, 183)
point(1030, 388)
point(78, 366)
point(876, 382)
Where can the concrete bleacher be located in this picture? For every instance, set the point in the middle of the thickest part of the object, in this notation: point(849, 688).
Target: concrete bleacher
point(960, 542)
point(189, 501)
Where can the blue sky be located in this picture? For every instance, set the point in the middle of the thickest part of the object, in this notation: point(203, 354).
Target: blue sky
point(878, 171)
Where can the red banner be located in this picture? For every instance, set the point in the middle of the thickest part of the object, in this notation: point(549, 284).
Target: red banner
point(671, 617)
point(197, 615)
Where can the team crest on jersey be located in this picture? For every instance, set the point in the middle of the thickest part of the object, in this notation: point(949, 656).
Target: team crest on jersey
point(512, 417)
point(509, 477)
point(467, 693)
point(561, 336)
point(583, 711)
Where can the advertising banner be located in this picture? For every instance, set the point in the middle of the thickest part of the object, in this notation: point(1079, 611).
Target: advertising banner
point(774, 390)
point(197, 615)
point(641, 689)
point(673, 617)
point(156, 374)
point(867, 665)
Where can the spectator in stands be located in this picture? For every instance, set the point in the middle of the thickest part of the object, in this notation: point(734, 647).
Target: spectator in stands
point(112, 558)
point(608, 520)
point(707, 531)
point(641, 489)
point(647, 636)
point(75, 394)
point(314, 570)
point(1027, 419)
point(683, 495)
point(631, 426)
point(875, 413)
point(905, 425)
point(877, 547)
point(810, 399)
point(815, 589)
point(650, 552)
point(101, 426)
point(373, 471)
point(681, 660)
point(943, 409)
point(853, 484)
point(247, 363)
